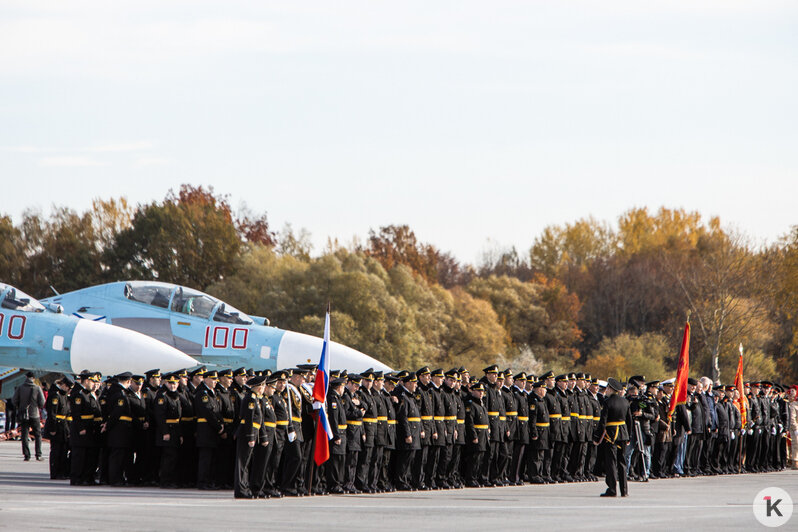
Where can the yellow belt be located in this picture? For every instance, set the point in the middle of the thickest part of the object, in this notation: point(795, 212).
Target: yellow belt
point(355, 423)
point(201, 420)
point(69, 418)
point(186, 419)
point(426, 418)
point(615, 423)
point(98, 418)
point(142, 419)
point(523, 418)
point(461, 421)
point(541, 424)
point(565, 418)
point(392, 422)
point(227, 420)
point(438, 418)
point(283, 423)
point(416, 419)
point(574, 414)
point(555, 416)
point(449, 418)
point(341, 427)
point(596, 418)
point(370, 419)
point(493, 414)
point(512, 413)
point(502, 418)
point(173, 420)
point(125, 418)
point(482, 427)
point(59, 417)
point(255, 425)
point(90, 416)
point(296, 419)
point(270, 424)
point(382, 418)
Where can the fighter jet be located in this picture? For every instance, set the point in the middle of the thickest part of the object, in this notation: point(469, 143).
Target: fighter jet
point(209, 330)
point(41, 337)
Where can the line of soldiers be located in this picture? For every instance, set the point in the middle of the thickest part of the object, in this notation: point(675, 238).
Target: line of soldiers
point(254, 432)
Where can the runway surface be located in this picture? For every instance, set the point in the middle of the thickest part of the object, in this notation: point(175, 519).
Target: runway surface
point(30, 500)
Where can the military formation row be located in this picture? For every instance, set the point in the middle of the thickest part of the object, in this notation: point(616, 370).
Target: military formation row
point(428, 429)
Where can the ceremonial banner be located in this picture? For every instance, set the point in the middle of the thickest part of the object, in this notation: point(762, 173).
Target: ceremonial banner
point(679, 396)
point(742, 401)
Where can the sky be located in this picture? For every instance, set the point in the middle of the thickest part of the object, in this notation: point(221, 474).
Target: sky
point(478, 124)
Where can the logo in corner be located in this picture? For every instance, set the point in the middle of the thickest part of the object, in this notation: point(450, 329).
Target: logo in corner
point(773, 507)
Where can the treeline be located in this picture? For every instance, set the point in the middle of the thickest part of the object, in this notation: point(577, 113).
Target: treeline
point(609, 299)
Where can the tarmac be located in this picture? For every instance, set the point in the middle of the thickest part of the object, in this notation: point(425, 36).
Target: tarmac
point(30, 500)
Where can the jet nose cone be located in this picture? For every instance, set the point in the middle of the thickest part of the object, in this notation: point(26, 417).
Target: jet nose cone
point(101, 347)
point(297, 348)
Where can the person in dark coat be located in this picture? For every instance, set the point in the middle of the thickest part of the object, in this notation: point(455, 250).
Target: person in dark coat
point(336, 412)
point(28, 401)
point(166, 424)
point(380, 433)
point(613, 427)
point(84, 430)
point(119, 428)
point(57, 428)
point(354, 432)
point(539, 434)
point(259, 479)
point(408, 429)
point(518, 462)
point(247, 437)
point(477, 436)
point(210, 430)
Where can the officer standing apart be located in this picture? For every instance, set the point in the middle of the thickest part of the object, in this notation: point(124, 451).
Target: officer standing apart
point(613, 430)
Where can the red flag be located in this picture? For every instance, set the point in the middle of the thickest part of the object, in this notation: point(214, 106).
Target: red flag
point(679, 396)
point(742, 402)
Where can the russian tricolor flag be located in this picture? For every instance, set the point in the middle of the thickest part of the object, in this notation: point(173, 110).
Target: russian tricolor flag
point(320, 386)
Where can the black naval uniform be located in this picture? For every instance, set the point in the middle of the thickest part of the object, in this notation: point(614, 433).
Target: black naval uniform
point(459, 440)
point(227, 447)
point(539, 439)
point(334, 469)
point(282, 421)
point(291, 463)
point(188, 430)
point(408, 424)
point(477, 431)
point(57, 430)
point(247, 439)
point(554, 409)
point(260, 480)
point(387, 474)
point(84, 435)
point(366, 457)
point(209, 428)
point(494, 403)
point(445, 477)
point(424, 403)
point(380, 440)
point(354, 439)
point(616, 418)
point(166, 424)
point(517, 467)
point(138, 407)
point(119, 427)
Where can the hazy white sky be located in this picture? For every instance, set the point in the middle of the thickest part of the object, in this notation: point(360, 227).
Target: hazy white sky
point(466, 120)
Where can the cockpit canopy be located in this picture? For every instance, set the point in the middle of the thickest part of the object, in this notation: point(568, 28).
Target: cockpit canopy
point(14, 299)
point(185, 301)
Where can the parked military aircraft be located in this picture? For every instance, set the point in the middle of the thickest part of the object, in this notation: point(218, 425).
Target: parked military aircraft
point(41, 337)
point(211, 331)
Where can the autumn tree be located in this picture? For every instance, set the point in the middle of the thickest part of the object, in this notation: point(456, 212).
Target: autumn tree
point(190, 238)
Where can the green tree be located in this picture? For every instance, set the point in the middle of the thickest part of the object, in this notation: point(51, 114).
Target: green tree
point(627, 355)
